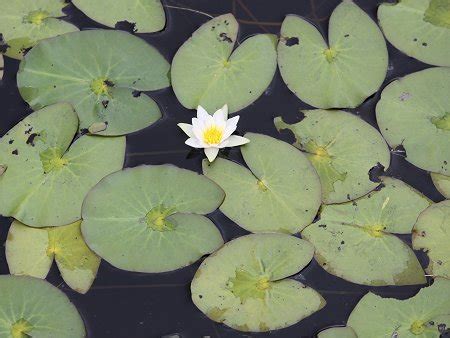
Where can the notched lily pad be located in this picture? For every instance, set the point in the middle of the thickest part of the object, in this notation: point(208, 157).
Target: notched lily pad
point(31, 307)
point(245, 286)
point(343, 148)
point(425, 315)
point(442, 184)
point(207, 72)
point(333, 74)
point(30, 251)
point(432, 234)
point(99, 82)
point(419, 28)
point(45, 175)
point(279, 192)
point(24, 23)
point(355, 240)
point(158, 225)
point(337, 332)
point(414, 112)
point(147, 16)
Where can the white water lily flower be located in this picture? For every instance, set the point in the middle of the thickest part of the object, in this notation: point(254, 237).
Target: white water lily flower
point(212, 132)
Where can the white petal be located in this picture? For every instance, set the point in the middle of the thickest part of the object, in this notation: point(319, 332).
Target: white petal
point(234, 141)
point(221, 114)
point(194, 143)
point(202, 114)
point(231, 127)
point(211, 153)
point(198, 128)
point(187, 128)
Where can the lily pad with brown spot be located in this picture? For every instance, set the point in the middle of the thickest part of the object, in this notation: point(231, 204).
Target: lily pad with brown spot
point(245, 284)
point(442, 183)
point(356, 241)
point(30, 251)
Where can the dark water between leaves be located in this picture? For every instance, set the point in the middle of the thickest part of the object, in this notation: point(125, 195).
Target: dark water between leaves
point(134, 305)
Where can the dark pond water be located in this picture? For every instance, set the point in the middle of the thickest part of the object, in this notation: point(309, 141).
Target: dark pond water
point(134, 305)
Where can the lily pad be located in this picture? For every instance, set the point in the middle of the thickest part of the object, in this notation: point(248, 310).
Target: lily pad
point(343, 148)
point(23, 23)
point(425, 315)
point(355, 240)
point(432, 234)
point(279, 192)
point(207, 72)
point(414, 112)
point(103, 82)
point(333, 74)
point(30, 251)
point(158, 225)
point(419, 28)
point(244, 285)
point(337, 332)
point(44, 176)
point(146, 16)
point(31, 307)
point(442, 184)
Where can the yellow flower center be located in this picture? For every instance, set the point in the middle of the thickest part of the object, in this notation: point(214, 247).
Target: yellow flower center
point(213, 135)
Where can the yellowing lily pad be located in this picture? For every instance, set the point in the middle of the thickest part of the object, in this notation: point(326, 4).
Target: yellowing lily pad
point(419, 28)
point(343, 149)
point(279, 192)
point(30, 251)
point(244, 285)
point(23, 23)
point(147, 16)
point(442, 184)
point(414, 112)
point(31, 307)
point(426, 315)
point(103, 82)
point(337, 332)
point(355, 240)
point(207, 72)
point(158, 224)
point(44, 176)
point(333, 74)
point(432, 234)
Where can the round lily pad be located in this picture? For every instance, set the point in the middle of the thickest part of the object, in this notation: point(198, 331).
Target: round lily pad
point(103, 82)
point(344, 149)
point(425, 315)
point(432, 234)
point(355, 240)
point(207, 72)
point(31, 307)
point(419, 28)
point(30, 251)
point(279, 192)
point(442, 184)
point(44, 176)
point(23, 23)
point(333, 74)
point(245, 286)
point(158, 225)
point(146, 16)
point(337, 332)
point(414, 112)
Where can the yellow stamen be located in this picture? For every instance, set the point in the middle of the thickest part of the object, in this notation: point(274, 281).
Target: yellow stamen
point(213, 135)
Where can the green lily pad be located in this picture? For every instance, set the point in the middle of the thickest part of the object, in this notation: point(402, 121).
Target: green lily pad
point(338, 332)
point(30, 251)
point(333, 75)
point(414, 112)
point(23, 23)
point(280, 192)
point(44, 176)
point(419, 28)
point(425, 315)
point(158, 225)
point(244, 285)
point(355, 240)
point(432, 234)
point(207, 72)
point(442, 184)
point(343, 148)
point(147, 15)
point(102, 82)
point(31, 307)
